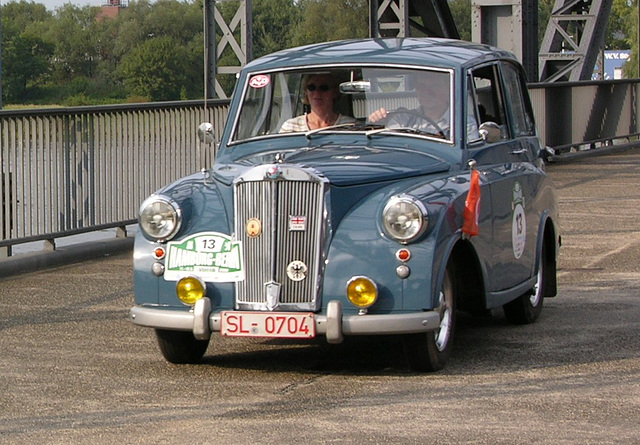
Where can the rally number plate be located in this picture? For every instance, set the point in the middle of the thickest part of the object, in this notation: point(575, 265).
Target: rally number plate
point(267, 324)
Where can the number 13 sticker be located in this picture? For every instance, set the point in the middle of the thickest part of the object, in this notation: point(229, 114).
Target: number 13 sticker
point(519, 223)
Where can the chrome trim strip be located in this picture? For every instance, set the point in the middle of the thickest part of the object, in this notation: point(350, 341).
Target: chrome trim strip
point(161, 318)
point(410, 323)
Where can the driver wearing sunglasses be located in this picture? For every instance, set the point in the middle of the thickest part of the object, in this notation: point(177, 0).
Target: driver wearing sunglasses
point(320, 93)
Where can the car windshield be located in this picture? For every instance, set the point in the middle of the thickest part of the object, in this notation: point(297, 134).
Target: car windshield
point(375, 101)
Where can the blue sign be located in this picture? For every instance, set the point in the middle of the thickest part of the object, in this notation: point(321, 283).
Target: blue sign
point(613, 61)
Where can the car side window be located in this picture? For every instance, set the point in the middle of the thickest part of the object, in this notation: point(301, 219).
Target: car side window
point(522, 115)
point(488, 102)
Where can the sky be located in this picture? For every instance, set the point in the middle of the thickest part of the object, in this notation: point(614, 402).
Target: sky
point(53, 4)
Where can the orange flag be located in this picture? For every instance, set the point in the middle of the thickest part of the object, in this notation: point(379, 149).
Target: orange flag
point(472, 206)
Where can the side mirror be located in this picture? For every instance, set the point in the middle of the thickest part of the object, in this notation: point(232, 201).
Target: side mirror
point(205, 133)
point(547, 153)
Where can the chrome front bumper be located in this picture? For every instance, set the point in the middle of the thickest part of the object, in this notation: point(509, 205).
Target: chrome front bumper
point(202, 321)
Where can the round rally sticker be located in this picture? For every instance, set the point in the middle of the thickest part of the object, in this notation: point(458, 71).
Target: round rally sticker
point(519, 223)
point(259, 81)
point(518, 231)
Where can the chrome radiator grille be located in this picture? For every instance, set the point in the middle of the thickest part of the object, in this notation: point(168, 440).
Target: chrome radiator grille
point(286, 255)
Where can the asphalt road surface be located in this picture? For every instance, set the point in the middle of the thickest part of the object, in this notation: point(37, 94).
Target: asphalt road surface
point(73, 369)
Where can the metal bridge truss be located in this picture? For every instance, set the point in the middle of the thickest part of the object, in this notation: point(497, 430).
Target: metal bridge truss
point(240, 48)
point(387, 18)
point(573, 39)
point(570, 49)
point(397, 18)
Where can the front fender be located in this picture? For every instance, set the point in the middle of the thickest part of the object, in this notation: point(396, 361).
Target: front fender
point(204, 208)
point(359, 246)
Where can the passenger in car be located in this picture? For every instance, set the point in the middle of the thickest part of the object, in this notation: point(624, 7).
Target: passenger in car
point(320, 93)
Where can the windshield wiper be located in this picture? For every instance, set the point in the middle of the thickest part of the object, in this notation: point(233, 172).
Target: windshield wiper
point(408, 130)
point(310, 133)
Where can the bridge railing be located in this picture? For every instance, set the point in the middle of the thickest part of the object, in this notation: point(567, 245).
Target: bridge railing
point(575, 116)
point(74, 170)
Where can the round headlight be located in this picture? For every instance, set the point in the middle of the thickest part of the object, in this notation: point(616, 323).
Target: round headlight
point(159, 218)
point(404, 218)
point(190, 290)
point(362, 292)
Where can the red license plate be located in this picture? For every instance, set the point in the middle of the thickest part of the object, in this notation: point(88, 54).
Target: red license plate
point(267, 324)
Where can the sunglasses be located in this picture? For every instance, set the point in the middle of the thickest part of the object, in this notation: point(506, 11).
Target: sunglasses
point(323, 87)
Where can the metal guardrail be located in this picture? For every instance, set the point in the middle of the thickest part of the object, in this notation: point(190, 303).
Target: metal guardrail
point(578, 116)
point(74, 170)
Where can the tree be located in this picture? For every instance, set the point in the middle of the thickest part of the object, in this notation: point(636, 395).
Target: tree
point(75, 37)
point(347, 19)
point(155, 69)
point(461, 12)
point(25, 56)
point(24, 61)
point(273, 23)
point(621, 25)
point(630, 68)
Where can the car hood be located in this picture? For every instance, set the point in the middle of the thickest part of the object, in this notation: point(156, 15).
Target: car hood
point(352, 165)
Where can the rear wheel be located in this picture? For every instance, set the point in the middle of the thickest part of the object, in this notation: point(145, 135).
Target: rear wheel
point(527, 308)
point(181, 347)
point(429, 351)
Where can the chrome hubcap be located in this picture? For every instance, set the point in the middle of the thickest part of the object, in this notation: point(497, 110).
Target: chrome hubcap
point(442, 336)
point(535, 298)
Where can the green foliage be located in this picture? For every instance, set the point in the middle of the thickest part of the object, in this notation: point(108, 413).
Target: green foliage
point(327, 20)
point(25, 56)
point(630, 68)
point(273, 21)
point(75, 36)
point(621, 27)
point(153, 50)
point(461, 12)
point(155, 69)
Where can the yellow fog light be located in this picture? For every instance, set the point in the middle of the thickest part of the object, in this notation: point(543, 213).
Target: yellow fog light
point(362, 291)
point(190, 290)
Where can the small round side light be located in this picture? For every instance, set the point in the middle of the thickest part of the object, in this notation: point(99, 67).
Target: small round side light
point(403, 255)
point(159, 253)
point(362, 292)
point(190, 289)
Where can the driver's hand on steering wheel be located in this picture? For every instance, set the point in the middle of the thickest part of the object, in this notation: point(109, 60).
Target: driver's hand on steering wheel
point(378, 115)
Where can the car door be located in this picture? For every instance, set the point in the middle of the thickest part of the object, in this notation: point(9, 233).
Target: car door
point(504, 158)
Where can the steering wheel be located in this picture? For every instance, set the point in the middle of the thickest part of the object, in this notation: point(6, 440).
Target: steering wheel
point(414, 119)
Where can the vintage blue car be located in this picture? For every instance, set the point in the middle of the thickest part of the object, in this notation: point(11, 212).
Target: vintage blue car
point(362, 187)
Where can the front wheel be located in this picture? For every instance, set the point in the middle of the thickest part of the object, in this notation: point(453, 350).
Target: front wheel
point(181, 347)
point(430, 351)
point(527, 308)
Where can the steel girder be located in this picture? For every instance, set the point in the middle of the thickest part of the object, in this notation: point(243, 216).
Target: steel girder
point(573, 39)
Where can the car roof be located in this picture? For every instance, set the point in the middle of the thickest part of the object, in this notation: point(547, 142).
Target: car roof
point(446, 53)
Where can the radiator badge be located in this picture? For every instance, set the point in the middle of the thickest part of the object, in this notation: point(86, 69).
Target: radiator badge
point(297, 223)
point(274, 172)
point(254, 227)
point(214, 257)
point(297, 270)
